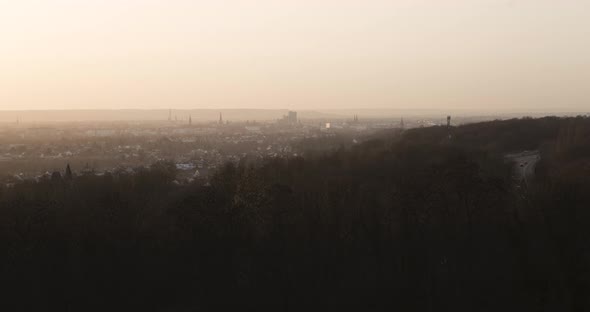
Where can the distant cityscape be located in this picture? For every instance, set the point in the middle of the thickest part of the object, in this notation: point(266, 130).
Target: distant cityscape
point(36, 150)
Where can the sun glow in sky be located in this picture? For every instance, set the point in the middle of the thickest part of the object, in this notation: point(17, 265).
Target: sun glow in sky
point(402, 54)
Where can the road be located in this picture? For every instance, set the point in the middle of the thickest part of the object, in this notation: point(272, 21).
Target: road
point(525, 164)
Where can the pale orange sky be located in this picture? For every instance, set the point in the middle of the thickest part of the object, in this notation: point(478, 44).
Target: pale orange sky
point(420, 54)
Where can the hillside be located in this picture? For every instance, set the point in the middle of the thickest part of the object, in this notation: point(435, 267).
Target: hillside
point(431, 219)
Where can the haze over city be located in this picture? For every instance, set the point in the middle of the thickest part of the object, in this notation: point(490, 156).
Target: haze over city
point(295, 155)
point(347, 54)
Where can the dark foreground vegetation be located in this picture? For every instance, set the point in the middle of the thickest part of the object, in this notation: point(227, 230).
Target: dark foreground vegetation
point(417, 222)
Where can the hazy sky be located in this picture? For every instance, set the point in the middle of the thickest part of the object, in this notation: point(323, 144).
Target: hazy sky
point(504, 54)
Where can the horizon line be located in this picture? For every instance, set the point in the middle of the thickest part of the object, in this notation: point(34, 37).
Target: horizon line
point(303, 109)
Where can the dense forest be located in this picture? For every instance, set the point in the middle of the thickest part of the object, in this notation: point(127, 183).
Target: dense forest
point(431, 219)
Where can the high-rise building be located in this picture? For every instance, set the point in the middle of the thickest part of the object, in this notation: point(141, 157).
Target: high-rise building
point(220, 119)
point(292, 117)
point(289, 119)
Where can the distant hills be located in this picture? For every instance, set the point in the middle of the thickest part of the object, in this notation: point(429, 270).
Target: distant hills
point(203, 115)
point(139, 114)
point(197, 115)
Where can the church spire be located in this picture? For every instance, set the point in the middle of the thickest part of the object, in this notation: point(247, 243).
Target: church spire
point(68, 172)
